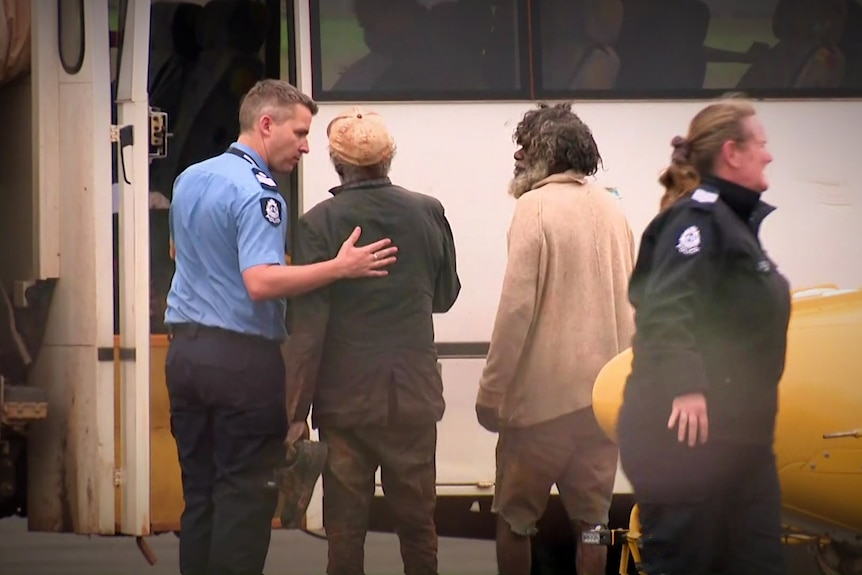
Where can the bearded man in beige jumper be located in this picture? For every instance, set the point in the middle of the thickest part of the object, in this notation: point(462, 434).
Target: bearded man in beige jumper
point(563, 313)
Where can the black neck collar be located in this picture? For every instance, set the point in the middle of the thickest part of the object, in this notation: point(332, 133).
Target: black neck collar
point(745, 202)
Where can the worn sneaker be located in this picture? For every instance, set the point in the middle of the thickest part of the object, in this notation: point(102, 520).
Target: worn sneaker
point(297, 479)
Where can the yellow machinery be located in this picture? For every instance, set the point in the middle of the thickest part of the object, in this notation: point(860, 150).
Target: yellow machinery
point(819, 427)
point(166, 493)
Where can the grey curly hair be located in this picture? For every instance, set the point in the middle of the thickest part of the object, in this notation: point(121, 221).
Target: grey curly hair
point(554, 140)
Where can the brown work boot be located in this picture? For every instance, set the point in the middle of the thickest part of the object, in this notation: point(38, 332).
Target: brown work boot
point(297, 479)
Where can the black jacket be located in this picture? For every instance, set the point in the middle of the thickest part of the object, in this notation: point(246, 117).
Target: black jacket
point(711, 316)
point(364, 349)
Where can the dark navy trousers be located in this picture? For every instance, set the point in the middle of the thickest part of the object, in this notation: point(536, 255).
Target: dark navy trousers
point(711, 509)
point(227, 399)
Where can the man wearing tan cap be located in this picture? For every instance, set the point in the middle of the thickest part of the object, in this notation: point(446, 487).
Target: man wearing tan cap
point(363, 352)
point(225, 314)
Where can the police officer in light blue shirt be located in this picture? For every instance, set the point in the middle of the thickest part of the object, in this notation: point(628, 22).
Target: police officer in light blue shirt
point(225, 316)
point(230, 196)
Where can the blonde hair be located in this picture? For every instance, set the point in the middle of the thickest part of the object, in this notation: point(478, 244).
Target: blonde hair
point(271, 96)
point(694, 156)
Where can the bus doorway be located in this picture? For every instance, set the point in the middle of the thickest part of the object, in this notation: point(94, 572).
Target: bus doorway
point(203, 57)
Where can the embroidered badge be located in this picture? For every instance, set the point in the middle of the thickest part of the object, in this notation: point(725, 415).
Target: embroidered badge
point(764, 267)
point(689, 241)
point(271, 209)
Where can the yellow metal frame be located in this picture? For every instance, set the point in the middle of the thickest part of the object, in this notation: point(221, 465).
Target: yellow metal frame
point(166, 491)
point(631, 550)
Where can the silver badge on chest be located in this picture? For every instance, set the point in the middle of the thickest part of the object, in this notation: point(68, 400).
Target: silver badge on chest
point(689, 241)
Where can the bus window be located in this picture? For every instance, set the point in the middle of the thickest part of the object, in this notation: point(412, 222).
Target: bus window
point(418, 49)
point(577, 43)
point(806, 52)
point(696, 48)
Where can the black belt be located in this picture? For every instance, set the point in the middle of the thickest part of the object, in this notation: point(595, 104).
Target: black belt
point(193, 329)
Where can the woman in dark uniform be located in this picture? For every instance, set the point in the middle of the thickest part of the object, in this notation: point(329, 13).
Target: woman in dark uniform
point(697, 421)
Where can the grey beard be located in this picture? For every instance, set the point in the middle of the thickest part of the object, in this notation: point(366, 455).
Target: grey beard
point(525, 179)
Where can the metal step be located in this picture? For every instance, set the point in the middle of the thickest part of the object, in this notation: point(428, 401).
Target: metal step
point(20, 404)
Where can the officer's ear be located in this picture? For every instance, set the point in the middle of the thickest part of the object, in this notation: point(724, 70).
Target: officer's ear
point(731, 153)
point(266, 123)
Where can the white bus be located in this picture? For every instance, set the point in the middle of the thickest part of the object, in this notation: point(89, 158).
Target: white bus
point(451, 78)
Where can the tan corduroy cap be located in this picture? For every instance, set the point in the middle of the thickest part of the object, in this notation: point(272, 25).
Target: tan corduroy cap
point(360, 138)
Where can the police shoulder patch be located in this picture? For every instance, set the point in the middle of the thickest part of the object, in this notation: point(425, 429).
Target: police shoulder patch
point(764, 266)
point(271, 210)
point(689, 241)
point(264, 180)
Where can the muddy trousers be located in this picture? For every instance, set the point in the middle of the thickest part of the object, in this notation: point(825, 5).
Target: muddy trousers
point(228, 418)
point(406, 457)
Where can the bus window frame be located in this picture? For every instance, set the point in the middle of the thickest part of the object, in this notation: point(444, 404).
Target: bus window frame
point(274, 69)
point(639, 95)
point(706, 94)
point(524, 71)
point(529, 53)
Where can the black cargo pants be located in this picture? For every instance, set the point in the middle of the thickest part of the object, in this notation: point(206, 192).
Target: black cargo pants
point(228, 418)
point(712, 509)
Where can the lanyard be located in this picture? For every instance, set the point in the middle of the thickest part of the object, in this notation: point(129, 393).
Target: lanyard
point(239, 153)
point(265, 180)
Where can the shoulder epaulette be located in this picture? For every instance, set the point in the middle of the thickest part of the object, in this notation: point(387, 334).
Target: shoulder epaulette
point(264, 180)
point(703, 196)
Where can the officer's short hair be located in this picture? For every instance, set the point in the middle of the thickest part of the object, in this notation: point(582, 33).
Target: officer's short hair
point(275, 97)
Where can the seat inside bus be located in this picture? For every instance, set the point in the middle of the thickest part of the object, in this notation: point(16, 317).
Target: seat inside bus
point(662, 35)
point(174, 50)
point(807, 54)
point(578, 44)
point(230, 34)
point(14, 40)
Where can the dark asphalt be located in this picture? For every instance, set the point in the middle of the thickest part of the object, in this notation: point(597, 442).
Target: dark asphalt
point(291, 553)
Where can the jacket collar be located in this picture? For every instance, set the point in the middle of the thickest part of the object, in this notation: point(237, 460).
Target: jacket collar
point(745, 203)
point(378, 183)
point(567, 177)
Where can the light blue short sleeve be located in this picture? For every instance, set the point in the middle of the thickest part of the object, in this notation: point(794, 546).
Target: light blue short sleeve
point(261, 227)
